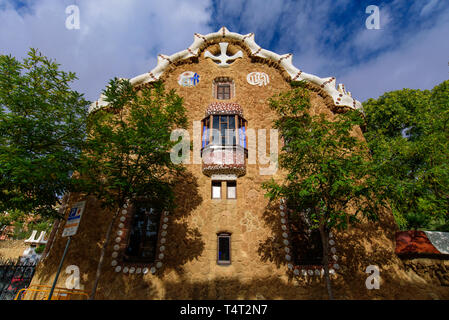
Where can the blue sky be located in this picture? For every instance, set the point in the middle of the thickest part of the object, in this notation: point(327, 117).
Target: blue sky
point(326, 37)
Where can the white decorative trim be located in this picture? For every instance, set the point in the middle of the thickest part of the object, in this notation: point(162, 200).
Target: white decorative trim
point(340, 96)
point(440, 240)
point(224, 177)
point(157, 262)
point(223, 57)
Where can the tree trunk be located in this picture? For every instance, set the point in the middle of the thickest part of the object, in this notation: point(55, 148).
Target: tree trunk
point(103, 251)
point(55, 226)
point(51, 238)
point(325, 241)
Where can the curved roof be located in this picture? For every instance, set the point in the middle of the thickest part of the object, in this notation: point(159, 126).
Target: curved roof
point(340, 96)
point(224, 108)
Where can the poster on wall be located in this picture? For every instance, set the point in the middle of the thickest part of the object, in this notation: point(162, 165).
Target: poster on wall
point(74, 218)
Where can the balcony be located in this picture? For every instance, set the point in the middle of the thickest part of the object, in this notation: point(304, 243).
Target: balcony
point(224, 140)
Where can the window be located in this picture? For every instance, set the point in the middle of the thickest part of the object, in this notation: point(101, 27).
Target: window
point(223, 91)
point(228, 130)
point(224, 248)
point(216, 189)
point(223, 88)
point(143, 235)
point(306, 243)
point(231, 189)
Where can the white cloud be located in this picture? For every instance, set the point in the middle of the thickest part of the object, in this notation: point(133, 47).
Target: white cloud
point(368, 62)
point(428, 7)
point(122, 38)
point(419, 63)
point(116, 38)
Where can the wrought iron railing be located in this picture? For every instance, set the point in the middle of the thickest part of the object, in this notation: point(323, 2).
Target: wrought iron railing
point(15, 274)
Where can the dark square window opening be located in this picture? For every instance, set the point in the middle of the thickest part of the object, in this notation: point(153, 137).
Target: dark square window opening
point(307, 247)
point(143, 235)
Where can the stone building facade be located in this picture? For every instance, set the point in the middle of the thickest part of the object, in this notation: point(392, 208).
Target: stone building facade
point(224, 240)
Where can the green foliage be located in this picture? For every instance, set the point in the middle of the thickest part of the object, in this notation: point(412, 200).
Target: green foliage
point(330, 177)
point(127, 154)
point(401, 221)
point(328, 170)
point(408, 135)
point(39, 249)
point(42, 127)
point(23, 224)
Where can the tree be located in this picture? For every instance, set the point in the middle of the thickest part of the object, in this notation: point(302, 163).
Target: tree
point(328, 170)
point(408, 135)
point(127, 153)
point(22, 224)
point(42, 128)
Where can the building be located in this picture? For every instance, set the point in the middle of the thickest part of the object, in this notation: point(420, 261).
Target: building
point(224, 241)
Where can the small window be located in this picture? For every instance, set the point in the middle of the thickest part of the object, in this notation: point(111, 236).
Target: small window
point(224, 91)
point(216, 189)
point(223, 88)
point(224, 248)
point(231, 189)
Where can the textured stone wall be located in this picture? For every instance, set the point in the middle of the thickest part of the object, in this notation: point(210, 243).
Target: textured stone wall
point(429, 270)
point(188, 268)
point(12, 249)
